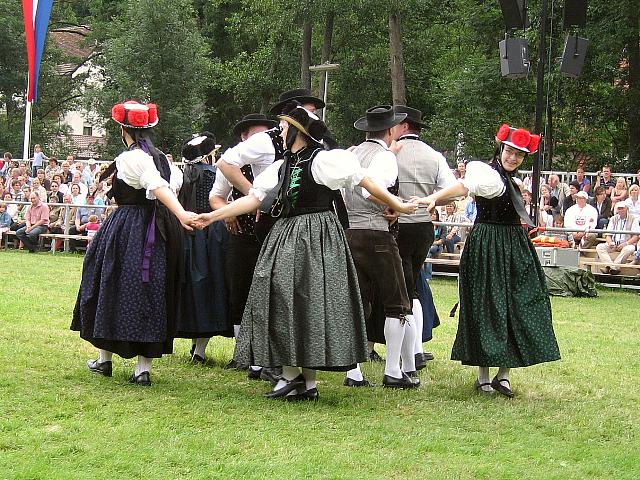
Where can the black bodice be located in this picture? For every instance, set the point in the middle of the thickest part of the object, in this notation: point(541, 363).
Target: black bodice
point(301, 192)
point(247, 221)
point(125, 194)
point(498, 210)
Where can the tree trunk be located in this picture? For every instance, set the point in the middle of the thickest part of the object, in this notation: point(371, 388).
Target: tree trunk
point(397, 60)
point(633, 94)
point(326, 51)
point(305, 74)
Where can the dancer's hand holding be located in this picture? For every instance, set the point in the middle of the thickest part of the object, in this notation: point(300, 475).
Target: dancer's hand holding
point(429, 201)
point(187, 219)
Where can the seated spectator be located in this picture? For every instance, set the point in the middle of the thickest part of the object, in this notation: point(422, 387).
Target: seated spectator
point(24, 172)
point(582, 216)
point(526, 198)
point(471, 210)
point(44, 181)
point(37, 221)
point(82, 219)
point(38, 189)
point(2, 189)
point(85, 175)
point(584, 182)
point(55, 195)
point(65, 220)
point(76, 197)
point(16, 191)
point(439, 232)
point(636, 181)
point(619, 193)
point(548, 203)
point(12, 208)
point(5, 220)
point(461, 169)
point(92, 226)
point(606, 180)
point(52, 168)
point(528, 182)
point(570, 200)
point(624, 244)
point(602, 203)
point(99, 194)
point(92, 167)
point(559, 190)
point(63, 188)
point(452, 232)
point(558, 222)
point(633, 203)
point(67, 176)
point(5, 164)
point(77, 180)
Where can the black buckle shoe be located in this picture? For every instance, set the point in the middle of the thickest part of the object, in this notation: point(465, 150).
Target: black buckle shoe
point(101, 368)
point(289, 387)
point(479, 388)
point(195, 358)
point(272, 375)
point(143, 379)
point(375, 357)
point(404, 382)
point(421, 362)
point(499, 387)
point(254, 374)
point(310, 395)
point(350, 382)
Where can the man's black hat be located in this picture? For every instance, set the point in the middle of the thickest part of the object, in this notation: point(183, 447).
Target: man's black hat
point(251, 120)
point(379, 118)
point(301, 95)
point(414, 116)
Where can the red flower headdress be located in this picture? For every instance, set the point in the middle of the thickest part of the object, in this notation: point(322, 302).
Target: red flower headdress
point(518, 138)
point(133, 114)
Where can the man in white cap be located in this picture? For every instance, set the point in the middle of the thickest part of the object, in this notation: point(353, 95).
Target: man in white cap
point(622, 243)
point(584, 217)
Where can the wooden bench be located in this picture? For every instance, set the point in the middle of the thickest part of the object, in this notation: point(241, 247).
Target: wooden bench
point(442, 261)
point(60, 236)
point(625, 268)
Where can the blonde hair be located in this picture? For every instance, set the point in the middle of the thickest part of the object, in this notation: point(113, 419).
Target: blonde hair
point(93, 218)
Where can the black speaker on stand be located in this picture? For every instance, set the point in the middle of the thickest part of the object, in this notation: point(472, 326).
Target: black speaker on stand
point(575, 51)
point(514, 57)
point(514, 13)
point(575, 13)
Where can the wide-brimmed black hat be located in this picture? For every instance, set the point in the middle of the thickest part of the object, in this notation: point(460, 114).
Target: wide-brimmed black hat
point(251, 120)
point(414, 116)
point(198, 147)
point(301, 95)
point(381, 117)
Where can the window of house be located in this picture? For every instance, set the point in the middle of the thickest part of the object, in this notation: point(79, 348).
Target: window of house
point(87, 131)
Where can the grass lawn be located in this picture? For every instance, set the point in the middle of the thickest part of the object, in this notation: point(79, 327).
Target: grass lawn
point(576, 418)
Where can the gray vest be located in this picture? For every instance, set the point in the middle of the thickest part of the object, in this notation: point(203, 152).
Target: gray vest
point(418, 170)
point(363, 213)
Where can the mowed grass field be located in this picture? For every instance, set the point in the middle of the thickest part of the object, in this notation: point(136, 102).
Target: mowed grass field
point(576, 418)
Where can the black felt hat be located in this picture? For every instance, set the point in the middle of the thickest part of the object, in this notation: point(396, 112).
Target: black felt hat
point(198, 147)
point(251, 120)
point(301, 95)
point(379, 118)
point(305, 121)
point(414, 116)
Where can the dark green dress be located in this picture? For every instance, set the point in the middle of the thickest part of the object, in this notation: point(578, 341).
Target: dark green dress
point(505, 312)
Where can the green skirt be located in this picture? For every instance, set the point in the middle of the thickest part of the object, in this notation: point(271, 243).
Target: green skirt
point(505, 312)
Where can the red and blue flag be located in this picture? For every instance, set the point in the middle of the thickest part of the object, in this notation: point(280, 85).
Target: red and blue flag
point(36, 22)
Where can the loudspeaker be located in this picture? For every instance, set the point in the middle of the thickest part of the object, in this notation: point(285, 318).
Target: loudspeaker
point(514, 57)
point(575, 13)
point(575, 51)
point(514, 14)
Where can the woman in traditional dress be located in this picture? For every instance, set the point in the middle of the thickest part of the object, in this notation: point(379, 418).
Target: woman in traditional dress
point(304, 308)
point(505, 313)
point(129, 295)
point(203, 311)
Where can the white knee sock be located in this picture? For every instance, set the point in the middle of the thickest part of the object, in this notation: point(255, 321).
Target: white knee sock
point(503, 373)
point(371, 345)
point(309, 377)
point(143, 365)
point(393, 334)
point(407, 351)
point(354, 374)
point(201, 345)
point(417, 315)
point(288, 373)
point(236, 331)
point(105, 356)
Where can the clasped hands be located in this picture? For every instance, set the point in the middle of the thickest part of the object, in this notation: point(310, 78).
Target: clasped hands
point(191, 220)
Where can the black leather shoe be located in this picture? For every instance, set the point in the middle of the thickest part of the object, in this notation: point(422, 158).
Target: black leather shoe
point(428, 356)
point(310, 395)
point(105, 368)
point(272, 375)
point(254, 374)
point(421, 362)
point(290, 386)
point(500, 387)
point(393, 382)
point(195, 358)
point(375, 357)
point(479, 388)
point(143, 379)
point(350, 382)
point(413, 374)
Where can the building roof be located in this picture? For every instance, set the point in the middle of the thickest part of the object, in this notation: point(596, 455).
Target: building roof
point(73, 43)
point(86, 145)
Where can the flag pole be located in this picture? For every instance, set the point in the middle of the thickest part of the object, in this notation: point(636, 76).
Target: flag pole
point(26, 146)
